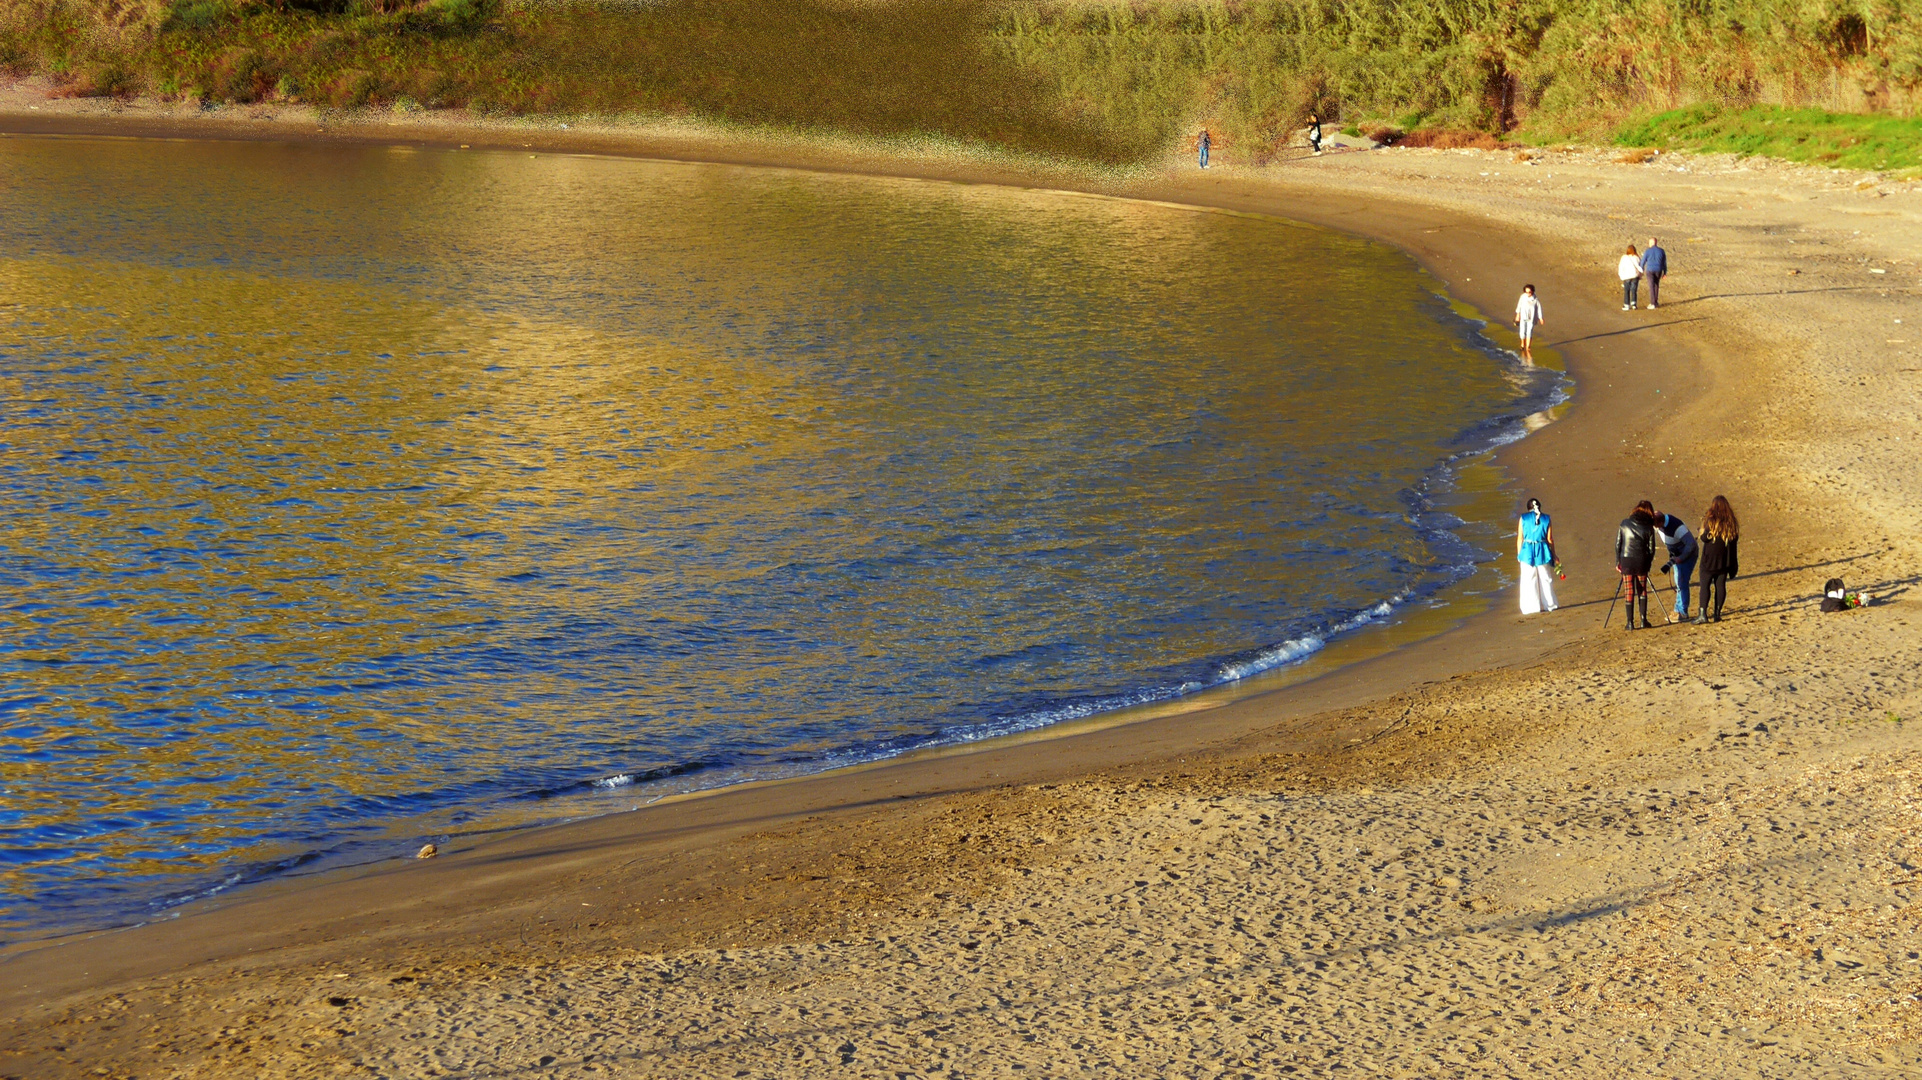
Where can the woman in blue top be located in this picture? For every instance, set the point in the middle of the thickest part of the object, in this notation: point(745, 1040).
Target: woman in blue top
point(1535, 550)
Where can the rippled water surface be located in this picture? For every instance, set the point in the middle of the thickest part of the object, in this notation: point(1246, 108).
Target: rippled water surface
point(357, 495)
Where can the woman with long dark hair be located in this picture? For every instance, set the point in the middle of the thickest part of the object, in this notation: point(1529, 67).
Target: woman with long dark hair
point(1719, 535)
point(1535, 551)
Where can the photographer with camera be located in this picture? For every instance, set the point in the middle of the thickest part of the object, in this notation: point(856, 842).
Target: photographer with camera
point(1683, 551)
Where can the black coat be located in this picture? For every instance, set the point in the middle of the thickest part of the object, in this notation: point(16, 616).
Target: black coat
point(1719, 557)
point(1635, 545)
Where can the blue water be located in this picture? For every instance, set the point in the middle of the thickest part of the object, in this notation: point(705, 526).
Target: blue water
point(354, 496)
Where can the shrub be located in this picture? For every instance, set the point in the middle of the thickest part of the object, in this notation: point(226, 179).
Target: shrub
point(1446, 139)
point(352, 89)
point(242, 76)
point(202, 15)
point(138, 16)
point(460, 14)
point(98, 80)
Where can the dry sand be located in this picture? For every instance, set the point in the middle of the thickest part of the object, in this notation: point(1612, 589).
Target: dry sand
point(1525, 847)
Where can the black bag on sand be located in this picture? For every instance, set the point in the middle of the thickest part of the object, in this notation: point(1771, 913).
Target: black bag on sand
point(1834, 596)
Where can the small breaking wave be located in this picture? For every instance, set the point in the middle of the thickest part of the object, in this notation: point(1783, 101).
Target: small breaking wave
point(1298, 649)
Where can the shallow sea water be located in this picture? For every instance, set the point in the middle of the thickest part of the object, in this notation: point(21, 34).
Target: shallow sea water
point(353, 496)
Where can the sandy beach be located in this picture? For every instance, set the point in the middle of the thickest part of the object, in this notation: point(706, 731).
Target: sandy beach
point(1522, 847)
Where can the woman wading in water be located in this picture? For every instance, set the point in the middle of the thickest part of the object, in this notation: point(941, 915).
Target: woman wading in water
point(1719, 536)
point(1528, 315)
point(1535, 550)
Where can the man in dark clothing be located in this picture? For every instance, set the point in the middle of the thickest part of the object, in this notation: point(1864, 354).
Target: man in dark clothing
point(1634, 554)
point(1654, 265)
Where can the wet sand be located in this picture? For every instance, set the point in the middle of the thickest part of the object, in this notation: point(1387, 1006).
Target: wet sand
point(1526, 845)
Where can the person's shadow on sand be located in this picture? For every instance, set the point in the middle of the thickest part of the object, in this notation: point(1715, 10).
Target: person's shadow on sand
point(1772, 292)
point(1627, 330)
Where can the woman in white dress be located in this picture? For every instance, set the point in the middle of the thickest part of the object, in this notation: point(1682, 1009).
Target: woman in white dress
point(1535, 551)
point(1629, 269)
point(1528, 315)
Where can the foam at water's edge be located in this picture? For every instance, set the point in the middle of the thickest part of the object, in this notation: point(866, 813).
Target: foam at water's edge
point(1298, 649)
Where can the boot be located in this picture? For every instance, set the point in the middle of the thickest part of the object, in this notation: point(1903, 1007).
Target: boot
point(1701, 618)
point(1642, 602)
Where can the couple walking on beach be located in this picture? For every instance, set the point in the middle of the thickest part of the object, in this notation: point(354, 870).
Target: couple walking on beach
point(1715, 554)
point(1651, 266)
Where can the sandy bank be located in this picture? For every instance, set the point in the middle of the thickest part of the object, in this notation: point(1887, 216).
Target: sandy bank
point(1520, 845)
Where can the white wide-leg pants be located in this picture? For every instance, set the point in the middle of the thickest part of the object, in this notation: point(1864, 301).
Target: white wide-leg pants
point(1538, 589)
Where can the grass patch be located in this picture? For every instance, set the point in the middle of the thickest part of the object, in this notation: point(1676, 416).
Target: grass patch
point(1843, 140)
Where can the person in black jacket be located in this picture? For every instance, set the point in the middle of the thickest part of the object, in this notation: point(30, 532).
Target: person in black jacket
point(1720, 535)
point(1634, 554)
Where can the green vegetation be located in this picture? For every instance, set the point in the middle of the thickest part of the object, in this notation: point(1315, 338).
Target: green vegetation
point(914, 67)
point(1105, 80)
point(1543, 69)
point(1847, 140)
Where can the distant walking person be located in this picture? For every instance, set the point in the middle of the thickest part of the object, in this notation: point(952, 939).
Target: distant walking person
point(1314, 133)
point(1654, 265)
point(1205, 141)
point(1683, 551)
point(1721, 534)
point(1528, 315)
point(1629, 269)
point(1634, 554)
point(1535, 550)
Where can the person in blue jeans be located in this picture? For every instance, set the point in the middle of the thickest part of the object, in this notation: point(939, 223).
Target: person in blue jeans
point(1654, 266)
point(1683, 551)
point(1204, 147)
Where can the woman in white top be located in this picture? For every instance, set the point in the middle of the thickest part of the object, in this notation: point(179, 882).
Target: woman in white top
point(1630, 271)
point(1528, 315)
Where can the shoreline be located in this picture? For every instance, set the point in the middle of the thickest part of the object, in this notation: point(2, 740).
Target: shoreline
point(1288, 676)
point(1322, 734)
point(1315, 666)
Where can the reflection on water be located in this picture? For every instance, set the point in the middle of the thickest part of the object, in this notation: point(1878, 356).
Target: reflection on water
point(356, 494)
